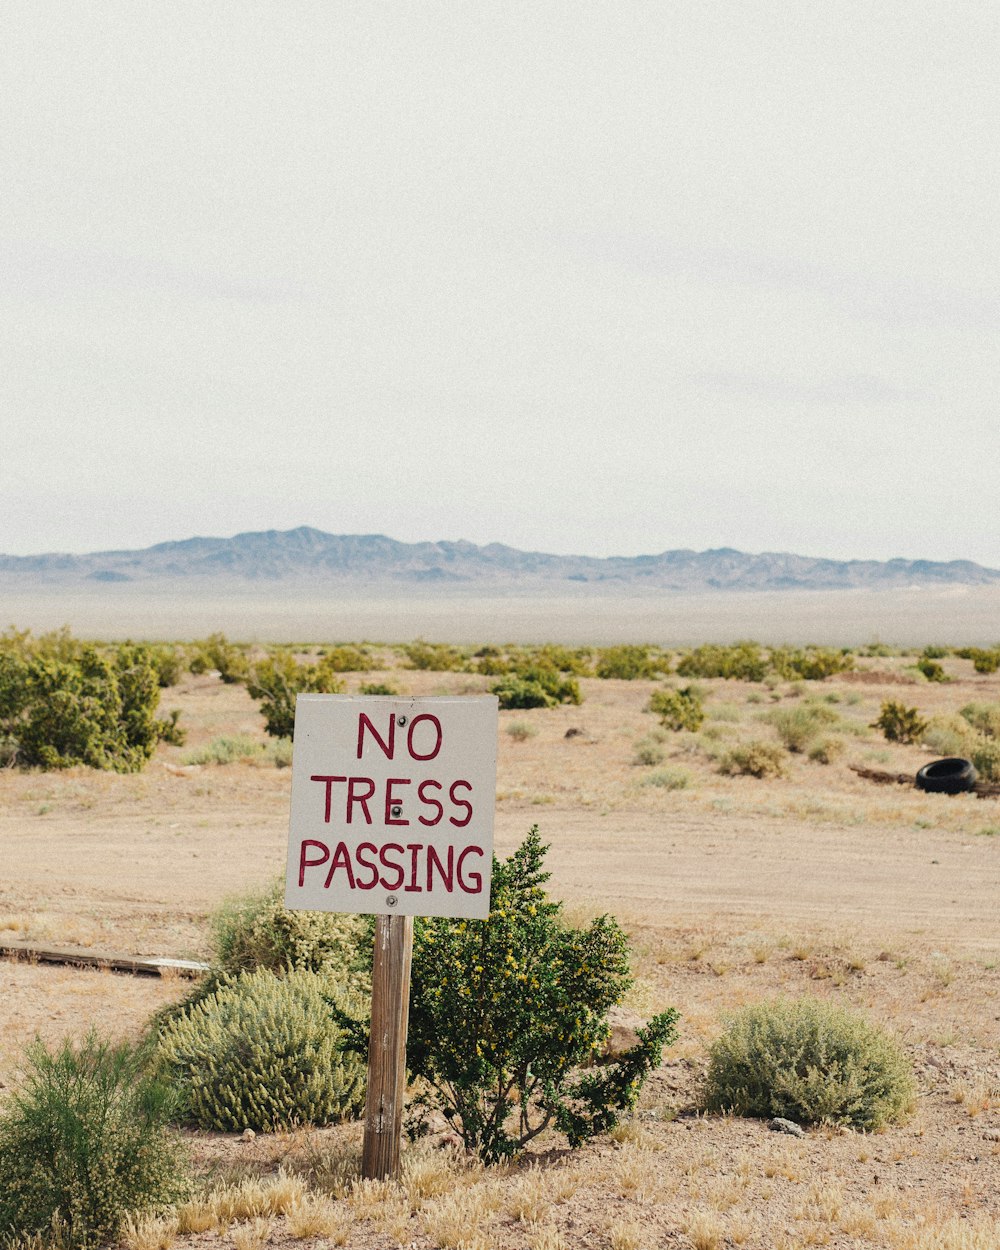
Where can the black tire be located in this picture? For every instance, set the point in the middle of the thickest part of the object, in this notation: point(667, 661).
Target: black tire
point(949, 776)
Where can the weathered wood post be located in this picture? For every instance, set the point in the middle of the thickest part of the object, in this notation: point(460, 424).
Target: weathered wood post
point(387, 1047)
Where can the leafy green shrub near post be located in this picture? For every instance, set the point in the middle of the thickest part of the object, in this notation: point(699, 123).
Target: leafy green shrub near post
point(262, 1052)
point(504, 1011)
point(83, 1143)
point(808, 1061)
point(257, 931)
point(900, 724)
point(536, 687)
point(678, 709)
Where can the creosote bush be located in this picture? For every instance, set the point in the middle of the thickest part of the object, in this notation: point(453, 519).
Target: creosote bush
point(262, 1052)
point(678, 709)
point(276, 681)
point(70, 703)
point(798, 727)
point(504, 1011)
point(630, 663)
point(900, 723)
point(809, 1061)
point(536, 687)
point(84, 1143)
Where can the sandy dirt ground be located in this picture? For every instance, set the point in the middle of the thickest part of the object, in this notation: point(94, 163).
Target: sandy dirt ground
point(732, 890)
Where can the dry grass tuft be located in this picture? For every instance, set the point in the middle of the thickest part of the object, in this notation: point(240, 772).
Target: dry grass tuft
point(252, 1235)
point(146, 1232)
point(705, 1230)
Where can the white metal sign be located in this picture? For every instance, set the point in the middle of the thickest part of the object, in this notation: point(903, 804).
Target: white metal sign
point(392, 805)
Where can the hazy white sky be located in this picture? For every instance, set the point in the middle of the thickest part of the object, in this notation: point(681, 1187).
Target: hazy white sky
point(605, 278)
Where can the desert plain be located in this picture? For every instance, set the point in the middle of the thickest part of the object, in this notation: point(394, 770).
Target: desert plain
point(733, 889)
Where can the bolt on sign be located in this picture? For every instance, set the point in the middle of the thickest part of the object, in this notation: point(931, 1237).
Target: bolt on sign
point(392, 805)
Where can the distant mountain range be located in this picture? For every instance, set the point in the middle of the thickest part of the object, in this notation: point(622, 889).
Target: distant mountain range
point(306, 556)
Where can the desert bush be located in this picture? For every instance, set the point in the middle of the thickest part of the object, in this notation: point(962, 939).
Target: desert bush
point(629, 663)
point(985, 756)
point(257, 930)
point(983, 660)
point(218, 653)
point(754, 759)
point(827, 750)
point(575, 660)
point(95, 708)
point(798, 727)
point(84, 1143)
point(900, 724)
point(276, 681)
point(436, 657)
point(169, 662)
point(377, 687)
point(262, 1052)
point(810, 663)
point(677, 709)
point(504, 1011)
point(226, 749)
point(931, 669)
point(648, 751)
point(536, 687)
point(934, 652)
point(811, 1062)
point(983, 717)
point(345, 659)
point(169, 730)
point(521, 730)
point(948, 735)
point(743, 661)
point(668, 779)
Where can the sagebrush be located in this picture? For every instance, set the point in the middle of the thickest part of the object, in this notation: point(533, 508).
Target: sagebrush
point(84, 1143)
point(810, 1061)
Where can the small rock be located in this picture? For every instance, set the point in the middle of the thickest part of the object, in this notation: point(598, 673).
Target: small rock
point(779, 1125)
point(992, 1134)
point(248, 1135)
point(573, 732)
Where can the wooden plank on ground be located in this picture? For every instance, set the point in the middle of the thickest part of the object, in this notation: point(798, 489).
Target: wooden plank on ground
point(138, 965)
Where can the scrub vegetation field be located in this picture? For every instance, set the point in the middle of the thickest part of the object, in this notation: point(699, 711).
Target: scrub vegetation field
point(718, 817)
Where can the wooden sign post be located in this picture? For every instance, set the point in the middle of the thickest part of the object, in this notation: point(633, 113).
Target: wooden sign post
point(392, 815)
point(387, 1047)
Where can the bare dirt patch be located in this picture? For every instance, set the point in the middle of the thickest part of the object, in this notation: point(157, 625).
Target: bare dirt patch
point(732, 889)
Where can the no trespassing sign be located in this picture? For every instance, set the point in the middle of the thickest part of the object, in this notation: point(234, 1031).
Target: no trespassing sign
point(392, 805)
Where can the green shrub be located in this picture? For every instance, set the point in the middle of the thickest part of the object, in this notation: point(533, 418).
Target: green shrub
point(811, 1062)
point(226, 749)
point(648, 751)
point(276, 681)
point(94, 708)
point(536, 687)
point(983, 717)
point(933, 652)
point(83, 1143)
point(810, 664)
point(668, 779)
point(798, 727)
point(377, 687)
point(218, 653)
point(169, 730)
point(985, 756)
point(262, 1052)
point(827, 750)
point(504, 1011)
point(754, 759)
point(900, 724)
point(983, 661)
point(677, 709)
point(437, 657)
point(345, 659)
point(743, 661)
point(948, 735)
point(562, 659)
point(168, 662)
point(930, 670)
point(629, 663)
point(257, 930)
point(521, 730)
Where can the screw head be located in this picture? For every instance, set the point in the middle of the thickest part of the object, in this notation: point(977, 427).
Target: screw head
point(396, 810)
point(401, 720)
point(391, 900)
